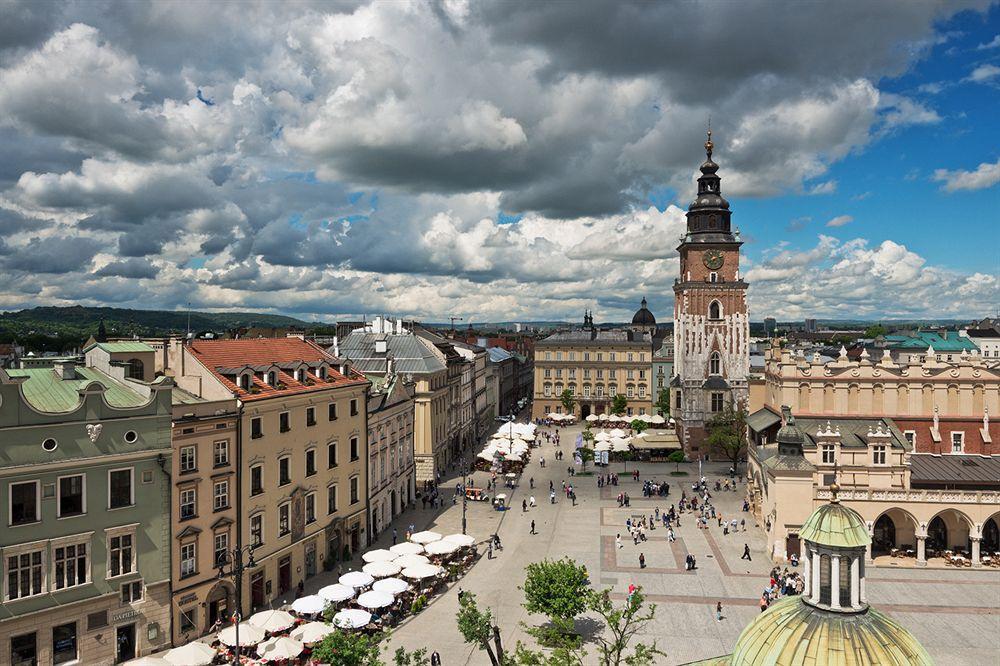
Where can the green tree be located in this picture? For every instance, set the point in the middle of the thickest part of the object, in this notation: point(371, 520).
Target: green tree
point(875, 330)
point(727, 433)
point(348, 649)
point(618, 404)
point(677, 457)
point(416, 658)
point(662, 404)
point(638, 426)
point(587, 435)
point(622, 624)
point(566, 398)
point(586, 455)
point(557, 589)
point(479, 629)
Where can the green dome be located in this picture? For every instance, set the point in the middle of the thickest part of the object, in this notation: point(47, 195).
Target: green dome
point(793, 632)
point(834, 524)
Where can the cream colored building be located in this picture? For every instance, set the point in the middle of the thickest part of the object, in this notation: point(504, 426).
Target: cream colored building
point(202, 512)
point(302, 482)
point(391, 469)
point(595, 365)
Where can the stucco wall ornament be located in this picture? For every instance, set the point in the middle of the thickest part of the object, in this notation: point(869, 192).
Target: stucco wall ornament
point(94, 431)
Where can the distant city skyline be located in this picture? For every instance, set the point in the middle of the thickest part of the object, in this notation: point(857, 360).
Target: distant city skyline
point(486, 160)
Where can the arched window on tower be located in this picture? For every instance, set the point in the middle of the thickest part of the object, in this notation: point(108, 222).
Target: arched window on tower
point(715, 364)
point(715, 310)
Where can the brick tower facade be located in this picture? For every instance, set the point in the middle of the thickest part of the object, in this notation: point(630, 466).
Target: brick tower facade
point(711, 317)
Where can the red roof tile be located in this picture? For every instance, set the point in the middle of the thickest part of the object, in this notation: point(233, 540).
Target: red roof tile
point(973, 440)
point(218, 354)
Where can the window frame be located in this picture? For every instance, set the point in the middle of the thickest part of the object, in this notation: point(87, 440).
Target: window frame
point(76, 644)
point(310, 499)
point(355, 444)
point(117, 533)
point(131, 487)
point(331, 447)
point(182, 502)
point(16, 552)
point(286, 519)
point(64, 543)
point(331, 411)
point(961, 441)
point(354, 492)
point(257, 535)
point(284, 422)
point(132, 596)
point(310, 417)
point(10, 502)
point(183, 561)
point(216, 495)
point(332, 493)
point(879, 454)
point(215, 453)
point(183, 457)
point(286, 478)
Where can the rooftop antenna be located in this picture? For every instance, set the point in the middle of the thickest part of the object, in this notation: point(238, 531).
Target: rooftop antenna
point(189, 321)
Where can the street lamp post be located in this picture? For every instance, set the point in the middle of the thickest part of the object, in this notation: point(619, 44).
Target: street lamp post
point(235, 573)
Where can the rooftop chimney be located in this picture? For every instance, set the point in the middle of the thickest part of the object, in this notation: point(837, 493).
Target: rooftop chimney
point(65, 369)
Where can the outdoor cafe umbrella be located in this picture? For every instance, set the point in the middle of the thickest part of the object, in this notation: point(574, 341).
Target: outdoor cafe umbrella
point(249, 635)
point(657, 419)
point(309, 605)
point(192, 654)
point(336, 592)
point(592, 417)
point(407, 548)
point(602, 436)
point(602, 446)
point(150, 661)
point(463, 540)
point(356, 579)
point(620, 445)
point(617, 432)
point(379, 555)
point(272, 621)
point(612, 418)
point(381, 569)
point(352, 618)
point(425, 537)
point(312, 632)
point(391, 585)
point(442, 547)
point(375, 599)
point(411, 560)
point(281, 648)
point(419, 571)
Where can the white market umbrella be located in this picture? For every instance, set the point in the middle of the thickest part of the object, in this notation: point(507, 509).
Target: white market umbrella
point(612, 418)
point(249, 635)
point(602, 446)
point(463, 540)
point(602, 436)
point(603, 416)
point(391, 585)
point(657, 419)
point(282, 648)
point(352, 618)
point(149, 661)
point(425, 537)
point(312, 632)
point(419, 571)
point(356, 579)
point(272, 621)
point(620, 446)
point(407, 548)
point(381, 569)
point(442, 547)
point(375, 599)
point(591, 417)
point(379, 555)
point(337, 592)
point(554, 416)
point(617, 432)
point(411, 560)
point(192, 654)
point(309, 605)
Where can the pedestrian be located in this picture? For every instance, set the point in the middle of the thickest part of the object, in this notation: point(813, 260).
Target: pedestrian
point(552, 497)
point(531, 501)
point(489, 550)
point(435, 659)
point(642, 561)
point(743, 524)
point(718, 611)
point(533, 527)
point(618, 541)
point(763, 603)
point(524, 506)
point(395, 535)
point(746, 553)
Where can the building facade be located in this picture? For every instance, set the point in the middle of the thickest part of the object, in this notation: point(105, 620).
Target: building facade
point(391, 470)
point(85, 483)
point(663, 366)
point(203, 514)
point(711, 314)
point(302, 478)
point(595, 365)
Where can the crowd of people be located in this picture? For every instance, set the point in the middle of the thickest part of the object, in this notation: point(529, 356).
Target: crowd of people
point(783, 583)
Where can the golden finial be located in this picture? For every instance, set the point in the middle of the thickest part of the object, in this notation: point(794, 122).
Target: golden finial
point(834, 489)
point(708, 144)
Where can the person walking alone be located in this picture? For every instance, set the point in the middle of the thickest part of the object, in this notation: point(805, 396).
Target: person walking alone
point(394, 536)
point(642, 561)
point(533, 527)
point(746, 553)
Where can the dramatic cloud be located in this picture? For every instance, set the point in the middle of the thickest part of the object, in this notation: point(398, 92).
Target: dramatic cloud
point(494, 159)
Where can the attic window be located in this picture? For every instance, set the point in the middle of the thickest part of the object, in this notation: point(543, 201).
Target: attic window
point(243, 381)
point(322, 372)
point(272, 378)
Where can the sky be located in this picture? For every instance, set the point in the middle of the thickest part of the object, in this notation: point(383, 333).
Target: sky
point(497, 161)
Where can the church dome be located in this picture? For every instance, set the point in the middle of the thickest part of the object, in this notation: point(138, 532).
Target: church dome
point(793, 632)
point(836, 525)
point(642, 316)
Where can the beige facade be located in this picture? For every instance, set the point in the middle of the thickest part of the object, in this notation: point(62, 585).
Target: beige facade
point(881, 387)
point(595, 366)
point(202, 513)
point(431, 412)
point(391, 470)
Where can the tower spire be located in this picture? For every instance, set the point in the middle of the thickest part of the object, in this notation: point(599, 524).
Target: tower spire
point(708, 143)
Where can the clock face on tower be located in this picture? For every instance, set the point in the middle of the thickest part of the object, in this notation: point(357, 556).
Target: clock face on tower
point(714, 259)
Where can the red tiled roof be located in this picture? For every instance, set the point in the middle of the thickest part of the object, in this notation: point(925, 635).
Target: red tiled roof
point(218, 354)
point(972, 428)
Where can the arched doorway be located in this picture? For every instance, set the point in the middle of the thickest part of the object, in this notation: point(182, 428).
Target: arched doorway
point(884, 537)
point(937, 534)
point(219, 604)
point(392, 502)
point(991, 537)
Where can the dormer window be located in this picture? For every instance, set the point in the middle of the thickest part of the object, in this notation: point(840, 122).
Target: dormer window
point(272, 378)
point(321, 373)
point(244, 381)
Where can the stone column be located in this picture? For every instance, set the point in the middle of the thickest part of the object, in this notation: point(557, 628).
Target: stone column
point(815, 576)
point(863, 593)
point(807, 562)
point(921, 552)
point(835, 581)
point(856, 582)
point(976, 562)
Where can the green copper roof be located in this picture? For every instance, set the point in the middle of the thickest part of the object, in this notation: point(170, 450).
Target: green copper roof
point(793, 632)
point(46, 392)
point(834, 524)
point(127, 347)
point(950, 341)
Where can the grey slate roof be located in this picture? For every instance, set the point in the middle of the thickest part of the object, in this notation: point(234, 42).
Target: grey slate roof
point(771, 459)
point(955, 470)
point(499, 355)
point(412, 354)
point(762, 419)
point(586, 336)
